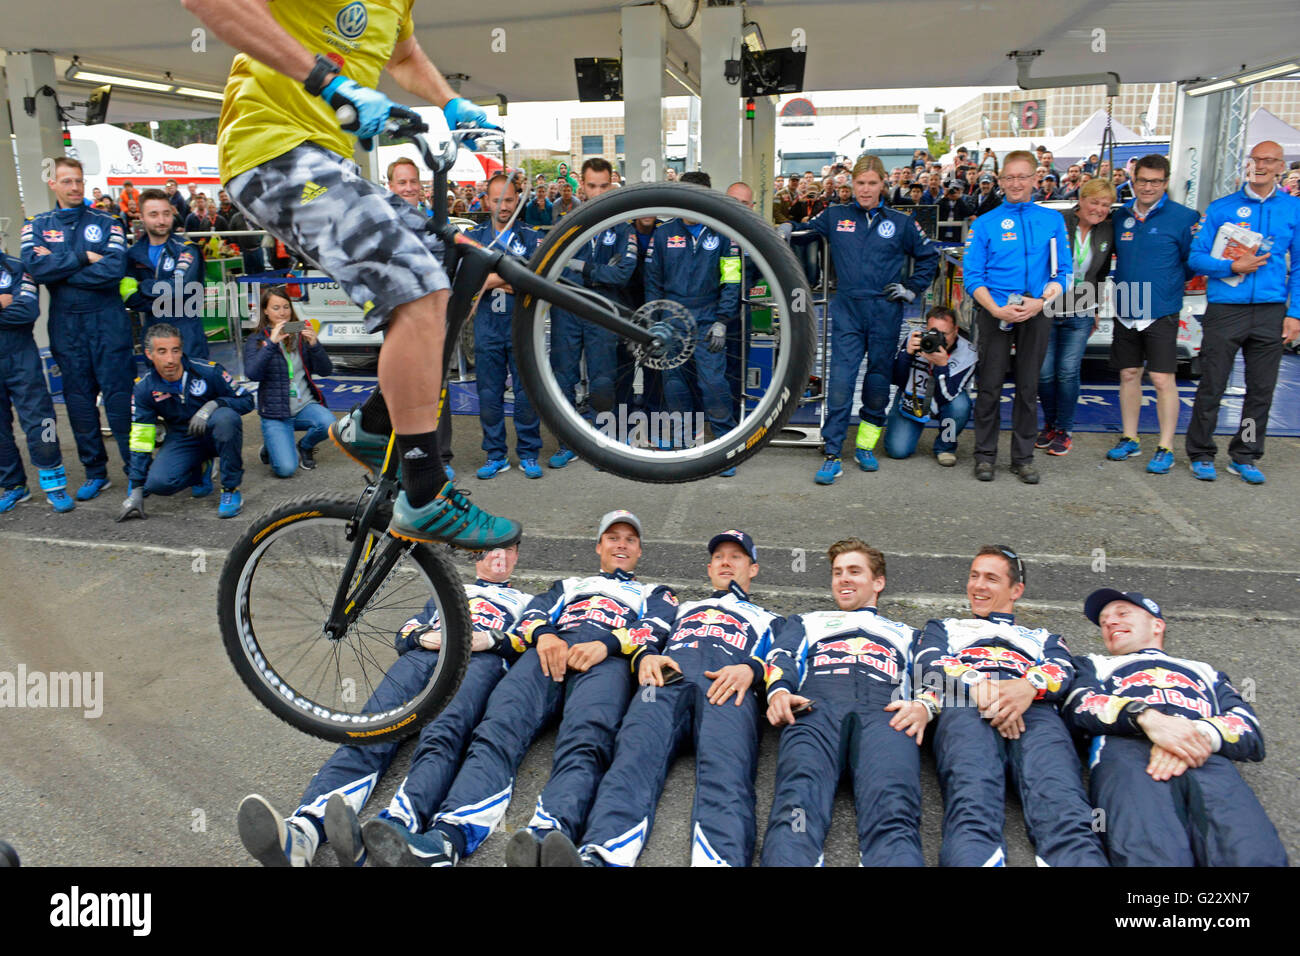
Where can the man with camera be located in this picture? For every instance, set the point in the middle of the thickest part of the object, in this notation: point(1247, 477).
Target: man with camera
point(931, 372)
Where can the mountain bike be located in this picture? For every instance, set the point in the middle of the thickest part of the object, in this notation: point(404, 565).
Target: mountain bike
point(312, 595)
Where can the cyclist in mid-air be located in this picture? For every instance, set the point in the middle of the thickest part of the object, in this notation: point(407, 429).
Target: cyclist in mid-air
point(285, 162)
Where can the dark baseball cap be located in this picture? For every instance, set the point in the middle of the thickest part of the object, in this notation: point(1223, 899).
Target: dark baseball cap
point(1097, 600)
point(1051, 176)
point(986, 178)
point(737, 537)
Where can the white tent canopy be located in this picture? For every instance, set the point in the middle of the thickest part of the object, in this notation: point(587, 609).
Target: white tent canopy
point(1085, 139)
point(1264, 125)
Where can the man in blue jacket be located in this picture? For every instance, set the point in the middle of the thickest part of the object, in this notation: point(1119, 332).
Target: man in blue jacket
point(870, 244)
point(1153, 239)
point(606, 264)
point(688, 263)
point(1256, 316)
point(201, 407)
point(164, 275)
point(22, 385)
point(493, 342)
point(80, 254)
point(1017, 261)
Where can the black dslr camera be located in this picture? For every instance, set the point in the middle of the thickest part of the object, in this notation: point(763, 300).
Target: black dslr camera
point(934, 340)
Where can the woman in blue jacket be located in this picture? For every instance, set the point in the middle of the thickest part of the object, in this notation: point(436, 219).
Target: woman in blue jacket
point(288, 400)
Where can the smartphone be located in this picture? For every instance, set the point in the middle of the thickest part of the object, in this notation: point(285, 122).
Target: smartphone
point(805, 708)
point(292, 327)
point(670, 675)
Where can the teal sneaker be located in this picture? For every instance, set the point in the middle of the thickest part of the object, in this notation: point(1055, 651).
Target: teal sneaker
point(367, 449)
point(1161, 462)
point(562, 458)
point(451, 519)
point(866, 459)
point(830, 470)
point(1124, 449)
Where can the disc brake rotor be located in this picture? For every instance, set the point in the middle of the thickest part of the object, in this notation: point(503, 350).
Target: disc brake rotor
point(674, 326)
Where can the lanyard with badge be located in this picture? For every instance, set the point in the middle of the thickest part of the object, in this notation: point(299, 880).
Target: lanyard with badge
point(1082, 253)
point(293, 384)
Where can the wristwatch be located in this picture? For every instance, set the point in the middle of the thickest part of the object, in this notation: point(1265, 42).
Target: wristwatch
point(1134, 709)
point(321, 72)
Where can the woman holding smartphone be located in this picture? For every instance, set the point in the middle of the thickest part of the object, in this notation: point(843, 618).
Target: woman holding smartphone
point(282, 355)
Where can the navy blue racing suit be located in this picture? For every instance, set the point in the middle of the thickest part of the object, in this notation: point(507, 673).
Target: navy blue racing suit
point(607, 264)
point(180, 463)
point(724, 629)
point(90, 335)
point(169, 289)
point(354, 772)
point(973, 759)
point(870, 249)
point(700, 270)
point(851, 664)
point(494, 356)
point(22, 385)
point(1208, 815)
point(613, 608)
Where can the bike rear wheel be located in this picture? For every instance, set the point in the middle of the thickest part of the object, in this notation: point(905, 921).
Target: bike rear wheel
point(658, 433)
point(276, 591)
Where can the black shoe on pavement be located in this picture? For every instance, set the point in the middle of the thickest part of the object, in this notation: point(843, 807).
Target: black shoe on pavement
point(524, 848)
point(1026, 472)
point(343, 831)
point(305, 458)
point(558, 850)
point(984, 470)
point(263, 455)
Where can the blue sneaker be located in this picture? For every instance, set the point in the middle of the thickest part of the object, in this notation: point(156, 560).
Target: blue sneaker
point(93, 488)
point(11, 499)
point(450, 518)
point(866, 460)
point(729, 473)
point(1246, 472)
point(203, 487)
point(389, 844)
point(231, 503)
point(54, 482)
point(1204, 470)
point(829, 471)
point(1124, 449)
point(562, 458)
point(449, 472)
point(1161, 462)
point(530, 467)
point(493, 468)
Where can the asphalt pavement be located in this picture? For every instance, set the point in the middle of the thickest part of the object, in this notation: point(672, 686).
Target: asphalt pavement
point(156, 778)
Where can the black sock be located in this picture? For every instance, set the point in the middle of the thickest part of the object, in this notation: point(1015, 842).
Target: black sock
point(374, 414)
point(422, 474)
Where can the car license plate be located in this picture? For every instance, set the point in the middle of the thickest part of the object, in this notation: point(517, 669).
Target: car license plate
point(1104, 326)
point(340, 331)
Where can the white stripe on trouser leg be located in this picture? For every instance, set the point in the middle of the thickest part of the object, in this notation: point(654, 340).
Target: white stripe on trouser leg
point(355, 793)
point(1039, 861)
point(623, 849)
point(997, 859)
point(400, 810)
point(702, 852)
point(478, 820)
point(542, 820)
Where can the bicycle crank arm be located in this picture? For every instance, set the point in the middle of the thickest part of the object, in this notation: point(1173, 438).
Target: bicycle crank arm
point(582, 305)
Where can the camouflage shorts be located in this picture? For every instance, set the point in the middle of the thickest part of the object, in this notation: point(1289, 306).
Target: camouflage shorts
point(369, 240)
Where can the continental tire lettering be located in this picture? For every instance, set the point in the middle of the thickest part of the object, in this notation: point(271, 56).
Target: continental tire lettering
point(283, 521)
point(756, 437)
point(374, 733)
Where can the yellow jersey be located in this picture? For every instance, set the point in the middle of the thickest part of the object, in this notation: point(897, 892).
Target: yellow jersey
point(265, 113)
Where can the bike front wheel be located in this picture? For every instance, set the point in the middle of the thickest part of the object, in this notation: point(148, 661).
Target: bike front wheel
point(727, 383)
point(277, 589)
